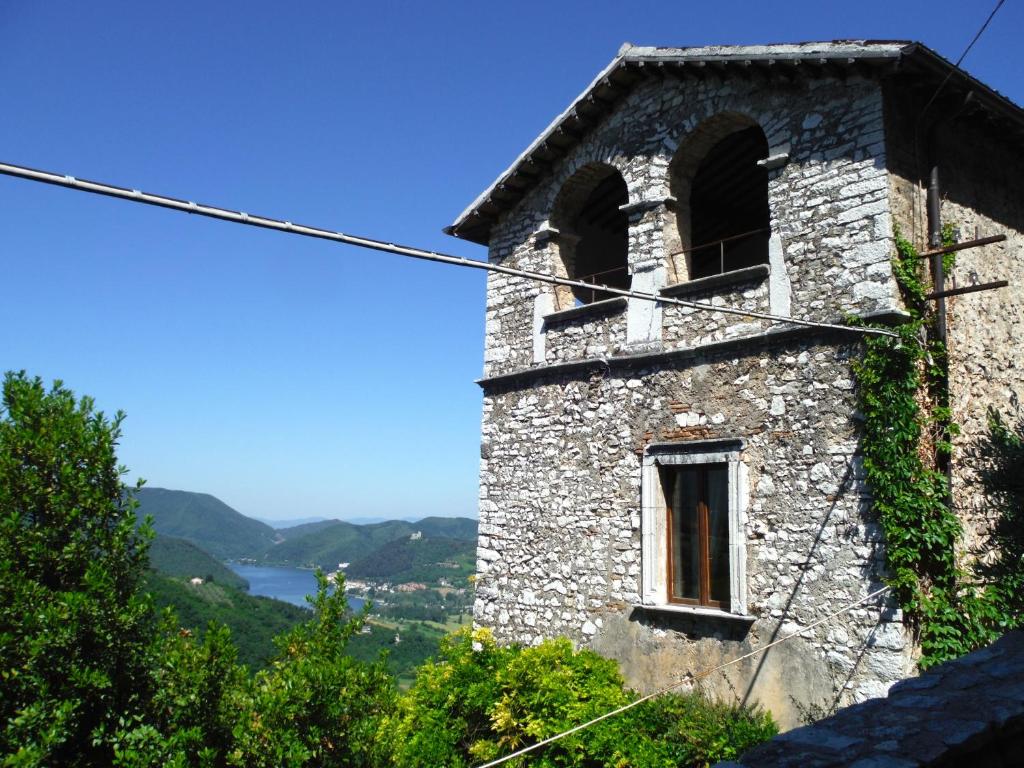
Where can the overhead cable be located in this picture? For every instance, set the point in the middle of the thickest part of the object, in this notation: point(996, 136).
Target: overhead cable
point(686, 681)
point(241, 217)
point(963, 55)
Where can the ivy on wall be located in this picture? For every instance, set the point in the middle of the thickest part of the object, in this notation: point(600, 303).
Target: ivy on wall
point(908, 429)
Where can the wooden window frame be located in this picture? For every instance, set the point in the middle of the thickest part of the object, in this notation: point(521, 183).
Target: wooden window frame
point(703, 541)
point(655, 524)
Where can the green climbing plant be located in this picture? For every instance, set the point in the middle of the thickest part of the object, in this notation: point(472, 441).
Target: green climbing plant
point(906, 446)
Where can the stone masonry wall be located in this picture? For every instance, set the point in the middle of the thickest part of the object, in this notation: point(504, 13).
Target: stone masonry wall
point(829, 204)
point(586, 337)
point(560, 538)
point(686, 327)
point(980, 176)
point(559, 550)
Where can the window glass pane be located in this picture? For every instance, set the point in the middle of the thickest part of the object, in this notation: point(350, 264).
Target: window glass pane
point(684, 530)
point(718, 532)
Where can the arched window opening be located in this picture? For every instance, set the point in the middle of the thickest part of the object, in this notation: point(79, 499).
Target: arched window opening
point(729, 215)
point(594, 232)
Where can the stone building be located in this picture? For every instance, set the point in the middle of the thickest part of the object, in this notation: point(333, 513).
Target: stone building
point(675, 486)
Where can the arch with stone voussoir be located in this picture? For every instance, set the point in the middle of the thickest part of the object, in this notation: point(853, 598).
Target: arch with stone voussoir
point(575, 255)
point(694, 147)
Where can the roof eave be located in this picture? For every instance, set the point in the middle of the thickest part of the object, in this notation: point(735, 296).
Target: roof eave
point(627, 68)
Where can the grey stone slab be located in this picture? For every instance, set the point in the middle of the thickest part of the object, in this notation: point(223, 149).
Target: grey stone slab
point(884, 761)
point(821, 738)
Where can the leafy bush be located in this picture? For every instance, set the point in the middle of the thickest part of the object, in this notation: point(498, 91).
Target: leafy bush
point(482, 701)
point(315, 705)
point(190, 718)
point(688, 730)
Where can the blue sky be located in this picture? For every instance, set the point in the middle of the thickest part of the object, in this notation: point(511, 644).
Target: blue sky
point(294, 378)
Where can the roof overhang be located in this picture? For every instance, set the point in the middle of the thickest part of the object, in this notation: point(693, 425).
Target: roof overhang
point(634, 64)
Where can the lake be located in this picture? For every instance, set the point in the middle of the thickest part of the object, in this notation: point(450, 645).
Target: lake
point(282, 583)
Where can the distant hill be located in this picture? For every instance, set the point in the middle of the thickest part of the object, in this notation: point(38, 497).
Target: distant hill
point(425, 560)
point(301, 529)
point(379, 519)
point(344, 542)
point(448, 528)
point(277, 524)
point(206, 522)
point(171, 556)
point(211, 525)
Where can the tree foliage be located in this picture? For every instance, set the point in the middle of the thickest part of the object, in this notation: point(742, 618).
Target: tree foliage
point(1001, 562)
point(315, 705)
point(74, 630)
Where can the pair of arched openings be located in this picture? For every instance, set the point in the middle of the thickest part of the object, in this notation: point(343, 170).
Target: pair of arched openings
point(720, 221)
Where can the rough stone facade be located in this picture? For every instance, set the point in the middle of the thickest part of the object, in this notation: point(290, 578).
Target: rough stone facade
point(576, 398)
point(980, 197)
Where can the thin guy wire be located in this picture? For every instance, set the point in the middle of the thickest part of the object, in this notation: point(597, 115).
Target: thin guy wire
point(241, 217)
point(698, 676)
point(924, 111)
point(963, 55)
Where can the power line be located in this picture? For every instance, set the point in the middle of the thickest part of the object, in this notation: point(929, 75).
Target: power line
point(698, 676)
point(963, 55)
point(241, 217)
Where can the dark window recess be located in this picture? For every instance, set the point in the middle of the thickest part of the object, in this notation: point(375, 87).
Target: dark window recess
point(603, 245)
point(697, 499)
point(729, 216)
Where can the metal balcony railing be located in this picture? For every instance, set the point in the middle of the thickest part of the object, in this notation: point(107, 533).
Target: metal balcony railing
point(726, 246)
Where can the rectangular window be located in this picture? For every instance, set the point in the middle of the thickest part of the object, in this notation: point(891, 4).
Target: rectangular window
point(693, 511)
point(697, 504)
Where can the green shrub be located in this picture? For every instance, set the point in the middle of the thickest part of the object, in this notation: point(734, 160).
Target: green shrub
point(906, 450)
point(315, 705)
point(1000, 460)
point(686, 729)
point(481, 701)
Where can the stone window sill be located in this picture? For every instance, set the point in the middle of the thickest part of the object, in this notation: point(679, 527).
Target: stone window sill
point(695, 610)
point(755, 274)
point(587, 311)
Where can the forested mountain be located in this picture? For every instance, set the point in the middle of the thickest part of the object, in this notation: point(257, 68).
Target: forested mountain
point(172, 556)
point(276, 523)
point(343, 542)
point(301, 529)
point(213, 526)
point(205, 521)
point(424, 560)
point(447, 528)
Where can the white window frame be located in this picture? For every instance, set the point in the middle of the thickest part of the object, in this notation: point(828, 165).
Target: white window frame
point(654, 521)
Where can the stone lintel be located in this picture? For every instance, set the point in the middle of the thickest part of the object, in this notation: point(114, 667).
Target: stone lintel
point(775, 161)
point(544, 235)
point(891, 316)
point(717, 444)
